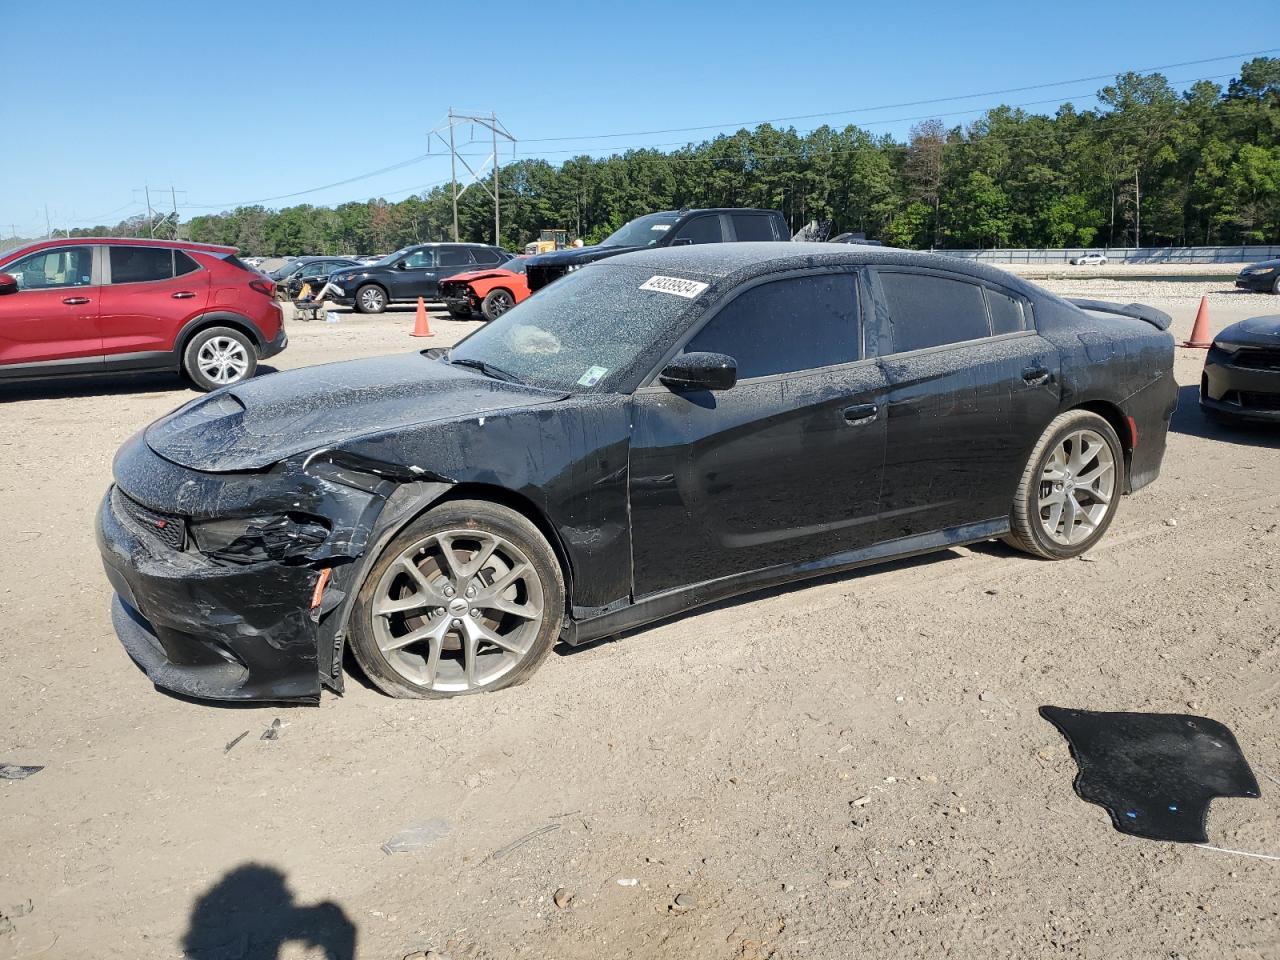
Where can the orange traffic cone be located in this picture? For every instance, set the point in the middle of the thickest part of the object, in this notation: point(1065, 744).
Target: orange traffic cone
point(421, 327)
point(1200, 338)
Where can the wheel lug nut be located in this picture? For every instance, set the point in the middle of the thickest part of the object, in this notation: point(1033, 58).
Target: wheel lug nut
point(476, 614)
point(471, 592)
point(449, 591)
point(457, 623)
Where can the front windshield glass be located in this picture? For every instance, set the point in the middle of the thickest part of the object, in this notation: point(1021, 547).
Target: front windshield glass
point(590, 331)
point(285, 271)
point(642, 231)
point(390, 258)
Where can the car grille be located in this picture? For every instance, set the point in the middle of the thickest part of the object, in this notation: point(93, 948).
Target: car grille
point(168, 529)
point(1259, 401)
point(1257, 359)
point(538, 276)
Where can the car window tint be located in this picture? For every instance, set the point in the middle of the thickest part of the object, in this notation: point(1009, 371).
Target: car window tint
point(1006, 313)
point(140, 264)
point(700, 230)
point(419, 259)
point(454, 257)
point(485, 255)
point(184, 264)
point(927, 311)
point(798, 323)
point(753, 226)
point(60, 267)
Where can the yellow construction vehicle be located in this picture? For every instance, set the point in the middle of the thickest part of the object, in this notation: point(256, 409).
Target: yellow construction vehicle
point(547, 241)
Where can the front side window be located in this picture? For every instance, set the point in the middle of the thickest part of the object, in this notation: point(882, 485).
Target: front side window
point(785, 326)
point(929, 311)
point(48, 269)
point(140, 264)
point(420, 260)
point(700, 230)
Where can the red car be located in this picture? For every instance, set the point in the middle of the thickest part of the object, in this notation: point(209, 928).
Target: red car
point(488, 292)
point(82, 306)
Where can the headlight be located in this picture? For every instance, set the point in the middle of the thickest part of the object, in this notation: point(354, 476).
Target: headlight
point(1226, 346)
point(574, 266)
point(1254, 271)
point(255, 539)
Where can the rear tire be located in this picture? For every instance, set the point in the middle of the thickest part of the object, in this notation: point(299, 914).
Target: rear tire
point(497, 302)
point(371, 298)
point(428, 626)
point(1275, 287)
point(1070, 489)
point(218, 357)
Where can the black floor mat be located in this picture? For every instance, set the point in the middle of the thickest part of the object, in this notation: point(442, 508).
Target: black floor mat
point(1155, 773)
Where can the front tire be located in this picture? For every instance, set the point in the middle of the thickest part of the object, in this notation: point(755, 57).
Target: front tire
point(460, 313)
point(218, 357)
point(1070, 489)
point(468, 598)
point(497, 302)
point(371, 299)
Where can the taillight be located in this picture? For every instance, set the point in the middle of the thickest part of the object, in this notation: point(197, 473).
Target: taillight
point(264, 287)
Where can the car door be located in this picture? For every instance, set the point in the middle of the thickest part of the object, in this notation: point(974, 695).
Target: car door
point(451, 261)
point(52, 318)
point(415, 275)
point(971, 387)
point(782, 468)
point(150, 292)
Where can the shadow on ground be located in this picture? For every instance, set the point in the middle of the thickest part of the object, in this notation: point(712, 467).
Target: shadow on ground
point(1190, 420)
point(103, 385)
point(250, 914)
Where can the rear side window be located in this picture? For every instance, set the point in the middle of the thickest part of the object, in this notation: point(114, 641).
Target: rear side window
point(485, 255)
point(58, 267)
point(799, 323)
point(454, 257)
point(753, 226)
point(927, 311)
point(700, 230)
point(1006, 313)
point(140, 264)
point(184, 264)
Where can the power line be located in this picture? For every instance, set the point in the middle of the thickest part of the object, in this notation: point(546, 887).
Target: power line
point(327, 186)
point(894, 106)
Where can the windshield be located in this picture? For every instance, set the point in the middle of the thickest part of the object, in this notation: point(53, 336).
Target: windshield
point(390, 258)
point(517, 265)
point(642, 231)
point(590, 331)
point(284, 271)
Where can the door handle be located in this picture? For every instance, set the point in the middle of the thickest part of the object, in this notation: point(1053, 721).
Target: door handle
point(1035, 375)
point(75, 301)
point(860, 413)
point(183, 295)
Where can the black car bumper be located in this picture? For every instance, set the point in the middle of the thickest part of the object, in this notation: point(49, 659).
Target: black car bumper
point(208, 631)
point(1259, 283)
point(1244, 385)
point(276, 344)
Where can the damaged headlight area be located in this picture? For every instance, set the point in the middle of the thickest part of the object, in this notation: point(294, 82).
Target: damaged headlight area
point(282, 537)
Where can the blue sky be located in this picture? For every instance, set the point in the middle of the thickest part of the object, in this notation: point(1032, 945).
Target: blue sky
point(104, 98)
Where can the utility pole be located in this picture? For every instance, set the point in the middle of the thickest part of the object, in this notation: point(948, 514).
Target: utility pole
point(497, 130)
point(48, 227)
point(151, 220)
point(174, 197)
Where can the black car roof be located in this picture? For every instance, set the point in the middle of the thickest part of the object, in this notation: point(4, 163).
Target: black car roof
point(742, 261)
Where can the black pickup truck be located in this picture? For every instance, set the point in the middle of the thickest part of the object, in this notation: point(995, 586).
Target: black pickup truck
point(669, 228)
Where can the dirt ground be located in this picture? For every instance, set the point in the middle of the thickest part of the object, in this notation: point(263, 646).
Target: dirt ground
point(853, 767)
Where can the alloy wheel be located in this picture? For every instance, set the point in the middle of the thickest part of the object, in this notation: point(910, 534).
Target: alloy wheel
point(1077, 487)
point(223, 360)
point(501, 303)
point(457, 610)
point(371, 299)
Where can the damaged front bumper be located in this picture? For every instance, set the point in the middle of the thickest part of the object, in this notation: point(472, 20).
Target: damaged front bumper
point(209, 628)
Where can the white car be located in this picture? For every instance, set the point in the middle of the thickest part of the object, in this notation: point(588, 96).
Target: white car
point(1090, 260)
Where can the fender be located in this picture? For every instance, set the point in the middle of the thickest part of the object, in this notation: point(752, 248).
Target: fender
point(214, 318)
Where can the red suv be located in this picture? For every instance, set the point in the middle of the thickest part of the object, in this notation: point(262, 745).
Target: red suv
point(82, 306)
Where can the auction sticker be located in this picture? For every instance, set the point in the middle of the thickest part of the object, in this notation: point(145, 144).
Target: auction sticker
point(592, 376)
point(674, 285)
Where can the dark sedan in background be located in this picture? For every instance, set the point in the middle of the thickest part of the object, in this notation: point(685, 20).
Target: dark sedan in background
point(1263, 277)
point(654, 432)
point(1241, 379)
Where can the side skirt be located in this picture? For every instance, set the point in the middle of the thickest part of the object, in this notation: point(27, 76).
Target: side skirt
point(672, 602)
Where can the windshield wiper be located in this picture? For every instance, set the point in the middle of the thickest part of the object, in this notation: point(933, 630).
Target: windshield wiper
point(488, 369)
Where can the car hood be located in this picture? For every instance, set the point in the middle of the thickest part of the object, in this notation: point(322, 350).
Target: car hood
point(255, 424)
point(564, 258)
point(1256, 331)
point(478, 275)
point(1263, 263)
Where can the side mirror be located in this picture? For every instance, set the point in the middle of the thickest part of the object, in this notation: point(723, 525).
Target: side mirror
point(8, 283)
point(402, 265)
point(700, 371)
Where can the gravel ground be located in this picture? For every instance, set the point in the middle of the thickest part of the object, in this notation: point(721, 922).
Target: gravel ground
point(852, 767)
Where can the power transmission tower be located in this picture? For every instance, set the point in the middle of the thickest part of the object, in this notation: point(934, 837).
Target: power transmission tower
point(496, 130)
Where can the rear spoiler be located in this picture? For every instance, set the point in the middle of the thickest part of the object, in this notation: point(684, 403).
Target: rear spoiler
point(1138, 311)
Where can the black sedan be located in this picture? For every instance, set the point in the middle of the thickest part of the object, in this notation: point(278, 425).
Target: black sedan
point(656, 431)
point(1241, 379)
point(1262, 277)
